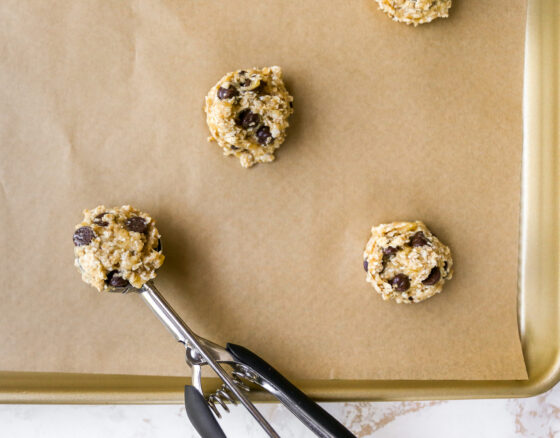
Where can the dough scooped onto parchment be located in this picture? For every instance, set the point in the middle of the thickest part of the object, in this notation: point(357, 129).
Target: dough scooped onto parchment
point(415, 11)
point(247, 113)
point(117, 247)
point(405, 262)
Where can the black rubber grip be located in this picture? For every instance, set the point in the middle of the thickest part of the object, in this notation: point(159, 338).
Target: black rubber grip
point(321, 417)
point(200, 414)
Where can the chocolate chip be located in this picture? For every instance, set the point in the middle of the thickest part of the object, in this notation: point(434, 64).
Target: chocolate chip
point(227, 93)
point(83, 236)
point(233, 148)
point(410, 299)
point(247, 119)
point(263, 135)
point(445, 265)
point(98, 220)
point(433, 278)
point(365, 265)
point(261, 89)
point(418, 239)
point(240, 115)
point(400, 283)
point(250, 119)
point(137, 224)
point(242, 72)
point(116, 280)
point(291, 104)
point(390, 251)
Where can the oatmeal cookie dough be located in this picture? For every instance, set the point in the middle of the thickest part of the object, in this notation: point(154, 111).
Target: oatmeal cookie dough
point(115, 247)
point(415, 11)
point(405, 262)
point(247, 113)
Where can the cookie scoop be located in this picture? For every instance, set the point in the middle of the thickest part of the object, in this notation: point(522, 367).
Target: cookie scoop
point(117, 247)
point(118, 250)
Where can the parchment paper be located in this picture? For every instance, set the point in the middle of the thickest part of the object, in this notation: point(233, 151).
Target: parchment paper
point(101, 102)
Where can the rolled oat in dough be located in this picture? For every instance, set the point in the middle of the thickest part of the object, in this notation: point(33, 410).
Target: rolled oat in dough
point(247, 113)
point(415, 11)
point(405, 262)
point(117, 247)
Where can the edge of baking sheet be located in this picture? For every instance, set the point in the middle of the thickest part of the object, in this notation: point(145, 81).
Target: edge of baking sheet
point(539, 297)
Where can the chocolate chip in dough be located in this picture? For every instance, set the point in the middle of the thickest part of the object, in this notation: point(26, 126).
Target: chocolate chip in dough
point(136, 223)
point(98, 220)
point(433, 278)
point(400, 283)
point(418, 239)
point(263, 135)
point(365, 265)
point(247, 119)
point(240, 116)
point(389, 252)
point(261, 89)
point(244, 82)
point(227, 93)
point(250, 119)
point(83, 236)
point(116, 280)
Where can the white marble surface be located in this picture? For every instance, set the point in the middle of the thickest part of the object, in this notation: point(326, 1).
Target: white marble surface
point(537, 417)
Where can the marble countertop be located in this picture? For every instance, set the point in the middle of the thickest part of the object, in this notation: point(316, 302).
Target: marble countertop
point(537, 417)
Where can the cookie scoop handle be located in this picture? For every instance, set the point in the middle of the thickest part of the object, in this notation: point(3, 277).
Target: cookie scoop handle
point(200, 415)
point(320, 422)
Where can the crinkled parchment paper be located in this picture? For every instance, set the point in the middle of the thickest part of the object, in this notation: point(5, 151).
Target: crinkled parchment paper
point(101, 102)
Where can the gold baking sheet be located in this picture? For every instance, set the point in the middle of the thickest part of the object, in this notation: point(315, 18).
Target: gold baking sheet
point(538, 279)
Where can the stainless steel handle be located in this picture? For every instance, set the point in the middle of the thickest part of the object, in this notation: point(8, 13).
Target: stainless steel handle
point(185, 335)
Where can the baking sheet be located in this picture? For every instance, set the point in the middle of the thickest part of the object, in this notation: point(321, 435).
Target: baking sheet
point(102, 104)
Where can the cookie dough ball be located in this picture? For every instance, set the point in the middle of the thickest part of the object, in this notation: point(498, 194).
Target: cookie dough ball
point(415, 11)
point(405, 262)
point(247, 112)
point(117, 247)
